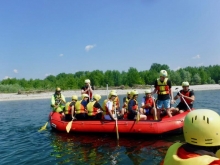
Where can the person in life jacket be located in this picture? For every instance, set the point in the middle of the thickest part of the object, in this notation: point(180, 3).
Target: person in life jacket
point(94, 108)
point(163, 88)
point(70, 109)
point(87, 89)
point(109, 107)
point(80, 107)
point(148, 105)
point(125, 101)
point(58, 101)
point(201, 132)
point(184, 94)
point(133, 107)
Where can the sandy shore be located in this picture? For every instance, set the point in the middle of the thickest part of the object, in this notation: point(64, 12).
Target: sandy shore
point(15, 96)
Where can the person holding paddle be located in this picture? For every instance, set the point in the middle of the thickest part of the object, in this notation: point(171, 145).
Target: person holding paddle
point(133, 107)
point(202, 143)
point(94, 108)
point(80, 107)
point(70, 109)
point(87, 89)
point(187, 97)
point(58, 101)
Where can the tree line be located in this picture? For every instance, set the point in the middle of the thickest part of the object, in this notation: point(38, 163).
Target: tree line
point(70, 81)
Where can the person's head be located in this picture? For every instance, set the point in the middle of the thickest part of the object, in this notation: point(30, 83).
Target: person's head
point(97, 97)
point(185, 85)
point(201, 128)
point(58, 90)
point(134, 94)
point(163, 74)
point(128, 94)
point(74, 98)
point(87, 82)
point(112, 95)
point(148, 93)
point(85, 96)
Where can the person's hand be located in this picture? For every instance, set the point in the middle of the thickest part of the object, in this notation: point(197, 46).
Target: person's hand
point(172, 101)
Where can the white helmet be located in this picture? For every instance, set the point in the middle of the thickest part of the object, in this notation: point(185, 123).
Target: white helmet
point(185, 84)
point(147, 91)
point(97, 97)
point(163, 73)
point(87, 81)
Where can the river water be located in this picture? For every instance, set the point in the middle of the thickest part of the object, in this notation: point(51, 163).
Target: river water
point(21, 143)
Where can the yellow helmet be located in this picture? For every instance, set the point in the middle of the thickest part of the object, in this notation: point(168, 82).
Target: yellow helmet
point(185, 84)
point(163, 73)
point(58, 89)
point(129, 92)
point(134, 92)
point(97, 97)
point(201, 128)
point(84, 95)
point(74, 97)
point(113, 93)
point(87, 81)
point(147, 91)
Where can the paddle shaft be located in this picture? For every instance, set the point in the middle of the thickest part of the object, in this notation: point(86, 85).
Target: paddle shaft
point(184, 101)
point(116, 125)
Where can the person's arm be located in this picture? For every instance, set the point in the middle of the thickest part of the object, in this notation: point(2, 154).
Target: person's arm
point(109, 106)
point(52, 101)
point(191, 97)
point(143, 103)
point(63, 100)
point(155, 88)
point(73, 112)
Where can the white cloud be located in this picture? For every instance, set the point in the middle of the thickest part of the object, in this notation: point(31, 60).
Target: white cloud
point(15, 71)
point(61, 55)
point(89, 47)
point(6, 77)
point(196, 57)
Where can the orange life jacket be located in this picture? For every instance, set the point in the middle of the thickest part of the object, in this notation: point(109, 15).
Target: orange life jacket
point(79, 108)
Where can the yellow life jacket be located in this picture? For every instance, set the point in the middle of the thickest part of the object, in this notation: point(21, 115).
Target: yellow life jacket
point(162, 87)
point(79, 108)
point(105, 109)
point(92, 111)
point(172, 158)
point(67, 108)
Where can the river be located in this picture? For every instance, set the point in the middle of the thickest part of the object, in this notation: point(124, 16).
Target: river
point(21, 143)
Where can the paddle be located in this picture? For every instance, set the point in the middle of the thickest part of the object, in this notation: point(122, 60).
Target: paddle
point(69, 126)
point(184, 99)
point(155, 109)
point(43, 127)
point(116, 125)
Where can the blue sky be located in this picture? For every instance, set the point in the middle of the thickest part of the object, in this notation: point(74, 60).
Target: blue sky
point(43, 37)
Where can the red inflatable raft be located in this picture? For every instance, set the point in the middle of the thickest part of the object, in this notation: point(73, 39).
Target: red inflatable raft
point(150, 126)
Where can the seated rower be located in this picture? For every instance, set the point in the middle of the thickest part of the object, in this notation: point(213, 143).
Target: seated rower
point(70, 108)
point(187, 98)
point(125, 102)
point(94, 108)
point(80, 107)
point(148, 105)
point(109, 107)
point(133, 107)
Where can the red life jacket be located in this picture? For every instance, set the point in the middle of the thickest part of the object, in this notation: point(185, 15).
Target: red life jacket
point(149, 101)
point(185, 94)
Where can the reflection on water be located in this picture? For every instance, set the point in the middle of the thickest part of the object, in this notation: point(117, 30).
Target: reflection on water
point(21, 143)
point(104, 149)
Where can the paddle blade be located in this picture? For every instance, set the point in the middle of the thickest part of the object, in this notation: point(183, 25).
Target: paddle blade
point(138, 117)
point(44, 127)
point(69, 126)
